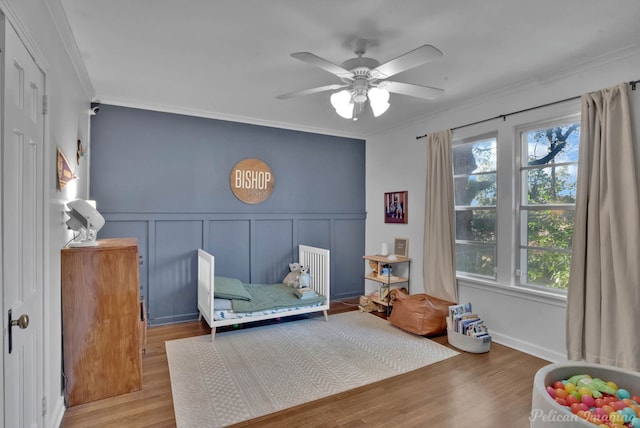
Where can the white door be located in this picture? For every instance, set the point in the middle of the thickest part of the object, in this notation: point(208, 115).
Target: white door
point(22, 229)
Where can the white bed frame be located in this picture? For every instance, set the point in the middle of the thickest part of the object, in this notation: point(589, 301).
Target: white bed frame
point(316, 258)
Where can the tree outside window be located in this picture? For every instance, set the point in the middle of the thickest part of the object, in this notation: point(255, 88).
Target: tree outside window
point(475, 169)
point(549, 172)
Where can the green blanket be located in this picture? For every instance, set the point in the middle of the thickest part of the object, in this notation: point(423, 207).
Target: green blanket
point(272, 296)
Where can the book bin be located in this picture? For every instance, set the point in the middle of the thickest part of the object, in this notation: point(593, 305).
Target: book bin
point(469, 344)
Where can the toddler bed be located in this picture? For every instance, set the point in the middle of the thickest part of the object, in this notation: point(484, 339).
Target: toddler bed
point(227, 301)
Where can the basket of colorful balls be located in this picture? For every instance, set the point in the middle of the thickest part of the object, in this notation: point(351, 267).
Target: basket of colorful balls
point(585, 395)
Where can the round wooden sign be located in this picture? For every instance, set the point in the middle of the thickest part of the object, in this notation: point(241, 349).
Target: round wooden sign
point(251, 181)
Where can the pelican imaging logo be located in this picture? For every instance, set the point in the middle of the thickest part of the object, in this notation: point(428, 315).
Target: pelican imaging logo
point(251, 181)
point(552, 417)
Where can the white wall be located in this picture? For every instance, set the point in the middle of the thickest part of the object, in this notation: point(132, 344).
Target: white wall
point(66, 122)
point(396, 161)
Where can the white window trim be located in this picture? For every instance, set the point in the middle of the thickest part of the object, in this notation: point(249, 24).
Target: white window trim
point(477, 138)
point(508, 172)
point(522, 187)
point(536, 295)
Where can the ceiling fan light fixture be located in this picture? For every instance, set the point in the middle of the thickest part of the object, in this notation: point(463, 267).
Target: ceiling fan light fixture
point(378, 99)
point(360, 97)
point(366, 79)
point(341, 101)
point(346, 111)
point(379, 109)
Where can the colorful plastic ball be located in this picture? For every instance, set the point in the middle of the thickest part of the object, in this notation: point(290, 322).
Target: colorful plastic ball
point(558, 385)
point(636, 398)
point(551, 391)
point(607, 408)
point(561, 401)
point(622, 393)
point(628, 414)
point(600, 413)
point(575, 408)
point(635, 423)
point(612, 385)
point(616, 418)
point(584, 414)
point(618, 405)
point(572, 399)
point(599, 402)
point(588, 400)
point(590, 417)
point(585, 391)
point(594, 420)
point(561, 393)
point(569, 387)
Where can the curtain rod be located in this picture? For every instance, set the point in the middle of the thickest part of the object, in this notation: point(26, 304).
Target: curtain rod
point(504, 116)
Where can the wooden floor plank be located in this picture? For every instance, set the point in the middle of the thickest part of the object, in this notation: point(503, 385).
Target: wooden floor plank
point(479, 390)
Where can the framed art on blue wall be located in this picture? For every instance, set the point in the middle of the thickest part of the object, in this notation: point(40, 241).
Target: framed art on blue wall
point(396, 207)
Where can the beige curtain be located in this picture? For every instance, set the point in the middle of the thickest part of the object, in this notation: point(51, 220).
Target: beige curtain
point(439, 274)
point(603, 301)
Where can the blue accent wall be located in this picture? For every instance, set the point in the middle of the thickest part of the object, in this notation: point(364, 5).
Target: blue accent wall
point(164, 178)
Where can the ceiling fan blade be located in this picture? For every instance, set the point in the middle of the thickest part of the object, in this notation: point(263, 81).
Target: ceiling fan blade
point(411, 59)
point(315, 60)
point(312, 91)
point(418, 91)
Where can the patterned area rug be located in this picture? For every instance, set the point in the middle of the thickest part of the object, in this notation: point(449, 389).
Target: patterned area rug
point(251, 372)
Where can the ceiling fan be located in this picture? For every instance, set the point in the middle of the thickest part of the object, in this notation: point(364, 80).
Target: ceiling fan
point(365, 78)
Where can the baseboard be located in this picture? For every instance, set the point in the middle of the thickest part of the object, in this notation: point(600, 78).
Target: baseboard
point(57, 413)
point(528, 348)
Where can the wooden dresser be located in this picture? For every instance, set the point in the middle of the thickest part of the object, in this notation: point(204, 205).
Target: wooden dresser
point(100, 320)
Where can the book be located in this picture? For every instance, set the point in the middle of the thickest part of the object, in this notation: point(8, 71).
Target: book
point(477, 328)
point(308, 296)
point(459, 310)
point(463, 320)
point(305, 293)
point(465, 323)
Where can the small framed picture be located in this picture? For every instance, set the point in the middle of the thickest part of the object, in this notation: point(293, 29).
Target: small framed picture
point(401, 247)
point(396, 207)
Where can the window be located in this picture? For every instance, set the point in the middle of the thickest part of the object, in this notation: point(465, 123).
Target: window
point(474, 173)
point(523, 172)
point(548, 178)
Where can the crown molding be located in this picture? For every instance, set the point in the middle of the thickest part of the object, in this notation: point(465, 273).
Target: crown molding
point(226, 117)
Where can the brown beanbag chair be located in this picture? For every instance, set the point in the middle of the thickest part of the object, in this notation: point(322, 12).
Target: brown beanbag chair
point(420, 314)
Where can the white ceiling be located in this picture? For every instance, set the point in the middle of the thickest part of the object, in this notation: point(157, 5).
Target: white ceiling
point(229, 59)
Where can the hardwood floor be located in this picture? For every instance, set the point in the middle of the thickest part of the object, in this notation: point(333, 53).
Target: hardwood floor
point(468, 390)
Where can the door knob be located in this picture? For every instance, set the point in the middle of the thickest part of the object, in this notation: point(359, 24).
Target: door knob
point(22, 322)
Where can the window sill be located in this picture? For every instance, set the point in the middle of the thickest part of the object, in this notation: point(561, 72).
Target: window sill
point(541, 296)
